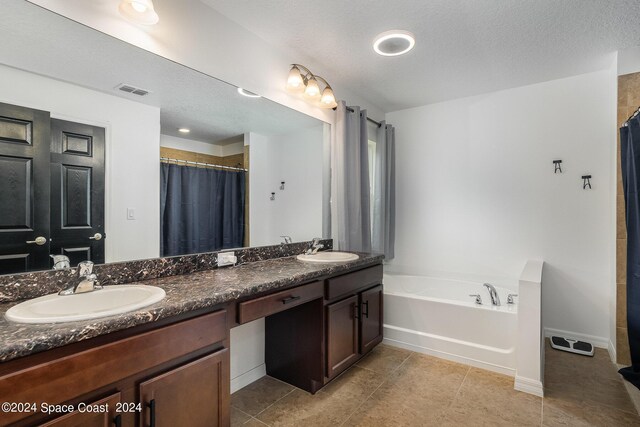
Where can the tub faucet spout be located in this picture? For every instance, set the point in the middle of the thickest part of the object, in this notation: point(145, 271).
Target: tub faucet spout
point(495, 299)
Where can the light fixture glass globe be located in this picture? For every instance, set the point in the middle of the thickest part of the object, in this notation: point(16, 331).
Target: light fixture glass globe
point(328, 100)
point(312, 91)
point(139, 6)
point(295, 82)
point(139, 11)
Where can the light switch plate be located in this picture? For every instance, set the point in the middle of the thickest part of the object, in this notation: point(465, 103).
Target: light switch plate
point(226, 258)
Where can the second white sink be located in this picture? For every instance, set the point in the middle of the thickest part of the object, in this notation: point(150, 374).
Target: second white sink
point(110, 300)
point(323, 257)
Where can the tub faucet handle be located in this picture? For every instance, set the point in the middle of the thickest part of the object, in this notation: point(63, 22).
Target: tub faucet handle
point(478, 298)
point(510, 298)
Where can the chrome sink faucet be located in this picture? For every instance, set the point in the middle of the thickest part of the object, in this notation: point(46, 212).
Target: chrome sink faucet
point(86, 281)
point(314, 247)
point(495, 299)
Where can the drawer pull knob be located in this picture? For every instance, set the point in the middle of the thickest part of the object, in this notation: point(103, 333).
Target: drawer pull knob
point(365, 313)
point(288, 300)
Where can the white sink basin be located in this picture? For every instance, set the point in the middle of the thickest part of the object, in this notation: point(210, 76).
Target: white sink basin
point(111, 300)
point(329, 257)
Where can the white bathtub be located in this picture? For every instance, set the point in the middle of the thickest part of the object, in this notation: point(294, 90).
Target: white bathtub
point(438, 317)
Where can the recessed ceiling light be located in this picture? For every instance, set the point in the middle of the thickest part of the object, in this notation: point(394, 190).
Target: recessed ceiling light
point(393, 43)
point(139, 11)
point(246, 93)
point(184, 130)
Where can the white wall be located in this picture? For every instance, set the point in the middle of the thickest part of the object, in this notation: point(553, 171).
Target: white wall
point(296, 159)
point(201, 147)
point(190, 145)
point(476, 192)
point(629, 61)
point(132, 154)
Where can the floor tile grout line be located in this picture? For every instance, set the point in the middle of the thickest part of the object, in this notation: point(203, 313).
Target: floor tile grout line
point(458, 390)
point(274, 402)
point(386, 377)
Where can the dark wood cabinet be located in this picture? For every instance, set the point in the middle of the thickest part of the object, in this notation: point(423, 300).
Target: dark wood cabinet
point(337, 322)
point(182, 367)
point(100, 413)
point(370, 318)
point(196, 394)
point(342, 335)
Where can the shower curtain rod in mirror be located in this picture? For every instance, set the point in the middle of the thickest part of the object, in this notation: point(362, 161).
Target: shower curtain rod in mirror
point(187, 163)
point(635, 113)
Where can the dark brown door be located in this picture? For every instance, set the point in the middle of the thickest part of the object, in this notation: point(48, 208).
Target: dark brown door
point(196, 394)
point(77, 191)
point(342, 335)
point(371, 318)
point(101, 413)
point(24, 189)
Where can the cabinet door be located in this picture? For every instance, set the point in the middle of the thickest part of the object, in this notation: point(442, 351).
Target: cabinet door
point(371, 318)
point(342, 335)
point(101, 413)
point(196, 394)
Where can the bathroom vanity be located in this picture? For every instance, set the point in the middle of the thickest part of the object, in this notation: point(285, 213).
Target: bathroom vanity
point(168, 364)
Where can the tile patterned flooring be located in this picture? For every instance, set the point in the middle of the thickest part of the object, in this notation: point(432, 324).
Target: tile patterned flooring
point(396, 387)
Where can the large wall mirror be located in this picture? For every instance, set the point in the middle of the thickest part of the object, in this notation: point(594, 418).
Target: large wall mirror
point(111, 153)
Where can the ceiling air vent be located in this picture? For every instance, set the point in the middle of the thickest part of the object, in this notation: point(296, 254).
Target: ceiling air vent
point(132, 89)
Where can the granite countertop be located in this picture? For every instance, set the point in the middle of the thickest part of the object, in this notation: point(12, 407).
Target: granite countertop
point(183, 294)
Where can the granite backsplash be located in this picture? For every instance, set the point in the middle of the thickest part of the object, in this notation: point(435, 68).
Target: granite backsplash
point(31, 285)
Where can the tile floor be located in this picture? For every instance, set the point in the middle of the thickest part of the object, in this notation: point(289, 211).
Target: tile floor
point(395, 387)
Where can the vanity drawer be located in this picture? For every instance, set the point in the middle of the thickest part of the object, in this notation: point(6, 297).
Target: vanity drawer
point(65, 378)
point(351, 282)
point(274, 303)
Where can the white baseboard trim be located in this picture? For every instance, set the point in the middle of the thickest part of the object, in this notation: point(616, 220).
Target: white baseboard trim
point(600, 342)
point(248, 377)
point(452, 357)
point(612, 352)
point(530, 386)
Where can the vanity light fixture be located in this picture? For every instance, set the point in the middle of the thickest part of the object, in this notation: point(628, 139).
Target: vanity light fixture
point(302, 80)
point(248, 94)
point(394, 43)
point(139, 11)
point(184, 130)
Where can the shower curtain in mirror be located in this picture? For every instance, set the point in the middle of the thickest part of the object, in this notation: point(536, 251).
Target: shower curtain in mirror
point(201, 209)
point(630, 156)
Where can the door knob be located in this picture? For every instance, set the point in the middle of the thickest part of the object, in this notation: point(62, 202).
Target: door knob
point(39, 241)
point(96, 236)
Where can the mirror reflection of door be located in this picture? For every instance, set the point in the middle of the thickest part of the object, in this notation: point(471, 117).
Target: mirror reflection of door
point(51, 190)
point(77, 191)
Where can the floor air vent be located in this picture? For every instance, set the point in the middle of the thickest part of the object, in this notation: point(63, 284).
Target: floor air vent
point(132, 89)
point(572, 346)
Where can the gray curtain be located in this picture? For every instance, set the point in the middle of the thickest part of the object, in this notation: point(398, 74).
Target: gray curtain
point(384, 203)
point(351, 180)
point(201, 209)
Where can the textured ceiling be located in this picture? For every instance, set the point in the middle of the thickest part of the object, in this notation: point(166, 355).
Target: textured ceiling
point(36, 40)
point(463, 48)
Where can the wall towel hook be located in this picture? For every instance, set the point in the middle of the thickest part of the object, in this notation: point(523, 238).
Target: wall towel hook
point(557, 166)
point(273, 196)
point(586, 182)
